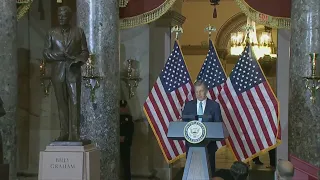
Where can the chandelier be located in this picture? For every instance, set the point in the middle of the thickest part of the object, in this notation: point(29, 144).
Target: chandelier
point(261, 48)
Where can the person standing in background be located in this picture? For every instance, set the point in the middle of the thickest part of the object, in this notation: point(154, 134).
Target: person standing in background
point(126, 134)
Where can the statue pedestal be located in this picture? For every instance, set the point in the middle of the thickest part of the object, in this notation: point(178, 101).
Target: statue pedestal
point(4, 171)
point(70, 162)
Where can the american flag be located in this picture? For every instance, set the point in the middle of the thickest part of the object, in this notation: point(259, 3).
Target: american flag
point(250, 108)
point(212, 73)
point(165, 101)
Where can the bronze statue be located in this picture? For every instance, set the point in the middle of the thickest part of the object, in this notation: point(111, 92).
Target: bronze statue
point(66, 50)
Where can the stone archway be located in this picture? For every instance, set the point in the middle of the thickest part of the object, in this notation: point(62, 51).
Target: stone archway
point(234, 24)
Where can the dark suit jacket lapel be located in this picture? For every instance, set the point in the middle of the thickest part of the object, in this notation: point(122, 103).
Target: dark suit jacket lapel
point(195, 107)
point(206, 109)
point(69, 37)
point(59, 37)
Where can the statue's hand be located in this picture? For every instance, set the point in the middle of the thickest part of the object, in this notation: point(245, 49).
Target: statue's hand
point(69, 57)
point(76, 63)
point(55, 56)
point(60, 54)
point(75, 66)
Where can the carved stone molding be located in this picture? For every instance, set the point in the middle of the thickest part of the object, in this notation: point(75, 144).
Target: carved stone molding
point(234, 24)
point(171, 18)
point(202, 50)
point(196, 1)
point(232, 59)
point(123, 3)
point(222, 53)
point(194, 49)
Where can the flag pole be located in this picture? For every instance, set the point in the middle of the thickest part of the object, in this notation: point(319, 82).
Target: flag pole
point(248, 28)
point(211, 29)
point(178, 30)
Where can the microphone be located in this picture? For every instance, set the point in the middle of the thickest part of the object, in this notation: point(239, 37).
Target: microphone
point(196, 117)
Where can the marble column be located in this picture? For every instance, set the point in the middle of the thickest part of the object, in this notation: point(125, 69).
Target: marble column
point(8, 81)
point(135, 44)
point(304, 116)
point(100, 119)
point(283, 64)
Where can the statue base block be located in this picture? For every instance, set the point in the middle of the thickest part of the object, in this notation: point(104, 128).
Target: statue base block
point(70, 162)
point(70, 143)
point(4, 171)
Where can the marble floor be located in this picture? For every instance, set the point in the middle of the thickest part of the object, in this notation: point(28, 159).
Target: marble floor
point(224, 160)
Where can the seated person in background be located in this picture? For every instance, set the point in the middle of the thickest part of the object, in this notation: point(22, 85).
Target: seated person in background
point(238, 171)
point(285, 170)
point(126, 133)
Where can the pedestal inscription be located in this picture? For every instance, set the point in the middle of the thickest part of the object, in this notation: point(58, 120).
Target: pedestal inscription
point(60, 163)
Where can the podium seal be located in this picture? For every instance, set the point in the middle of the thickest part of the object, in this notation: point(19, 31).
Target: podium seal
point(194, 132)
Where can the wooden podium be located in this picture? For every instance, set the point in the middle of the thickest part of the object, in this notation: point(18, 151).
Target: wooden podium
point(197, 165)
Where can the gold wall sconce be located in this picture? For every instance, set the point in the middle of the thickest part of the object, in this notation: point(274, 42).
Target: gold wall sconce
point(131, 75)
point(313, 81)
point(92, 81)
point(45, 81)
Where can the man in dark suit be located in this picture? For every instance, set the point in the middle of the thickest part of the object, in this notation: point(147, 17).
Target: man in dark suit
point(126, 134)
point(211, 111)
point(66, 50)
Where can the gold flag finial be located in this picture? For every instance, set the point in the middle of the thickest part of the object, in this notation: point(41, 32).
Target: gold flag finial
point(248, 28)
point(210, 29)
point(177, 29)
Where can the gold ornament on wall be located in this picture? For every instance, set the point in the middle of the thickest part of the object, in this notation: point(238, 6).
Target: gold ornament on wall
point(45, 79)
point(131, 75)
point(92, 80)
point(123, 3)
point(313, 81)
point(23, 7)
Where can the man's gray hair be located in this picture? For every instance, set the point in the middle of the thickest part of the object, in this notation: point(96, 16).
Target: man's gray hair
point(201, 83)
point(239, 170)
point(65, 8)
